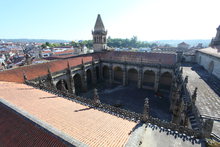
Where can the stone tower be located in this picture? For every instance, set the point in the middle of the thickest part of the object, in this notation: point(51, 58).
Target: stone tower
point(99, 35)
point(216, 41)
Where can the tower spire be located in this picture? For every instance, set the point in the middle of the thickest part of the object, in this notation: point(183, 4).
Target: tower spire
point(99, 26)
point(99, 36)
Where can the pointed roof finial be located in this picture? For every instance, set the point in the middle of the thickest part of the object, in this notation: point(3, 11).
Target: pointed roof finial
point(82, 61)
point(48, 69)
point(99, 26)
point(68, 64)
point(24, 75)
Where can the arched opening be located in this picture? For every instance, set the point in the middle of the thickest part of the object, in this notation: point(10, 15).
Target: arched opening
point(105, 73)
point(97, 73)
point(165, 81)
point(62, 85)
point(148, 79)
point(132, 77)
point(77, 83)
point(211, 67)
point(118, 75)
point(89, 78)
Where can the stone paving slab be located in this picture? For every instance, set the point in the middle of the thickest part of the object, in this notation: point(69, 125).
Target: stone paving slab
point(208, 100)
point(155, 137)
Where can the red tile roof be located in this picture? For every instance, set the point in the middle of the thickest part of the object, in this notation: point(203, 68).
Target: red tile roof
point(18, 131)
point(64, 52)
point(34, 71)
point(86, 125)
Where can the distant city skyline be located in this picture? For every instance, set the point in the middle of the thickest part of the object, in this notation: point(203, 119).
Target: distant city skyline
point(74, 20)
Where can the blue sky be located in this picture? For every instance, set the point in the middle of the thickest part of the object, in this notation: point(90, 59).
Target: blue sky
point(74, 19)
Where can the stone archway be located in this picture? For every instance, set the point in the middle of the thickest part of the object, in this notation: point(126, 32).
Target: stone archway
point(118, 75)
point(211, 67)
point(77, 83)
point(148, 79)
point(97, 73)
point(132, 77)
point(89, 78)
point(60, 87)
point(165, 81)
point(105, 72)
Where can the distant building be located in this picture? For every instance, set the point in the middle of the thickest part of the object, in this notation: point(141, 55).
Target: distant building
point(216, 41)
point(199, 46)
point(183, 45)
point(209, 58)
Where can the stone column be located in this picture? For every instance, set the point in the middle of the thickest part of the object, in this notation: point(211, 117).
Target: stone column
point(140, 74)
point(156, 81)
point(84, 83)
point(110, 75)
point(50, 79)
point(94, 78)
point(100, 72)
point(71, 87)
point(84, 78)
point(125, 78)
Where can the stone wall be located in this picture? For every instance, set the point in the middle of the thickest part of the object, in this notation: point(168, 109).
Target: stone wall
point(189, 58)
point(209, 62)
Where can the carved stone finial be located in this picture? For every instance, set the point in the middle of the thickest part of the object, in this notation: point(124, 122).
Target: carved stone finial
point(25, 76)
point(68, 64)
point(50, 77)
point(48, 69)
point(63, 87)
point(186, 79)
point(194, 95)
point(82, 65)
point(207, 128)
point(96, 97)
point(146, 110)
point(82, 61)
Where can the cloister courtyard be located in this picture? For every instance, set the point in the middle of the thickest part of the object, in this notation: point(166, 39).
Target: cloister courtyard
point(131, 98)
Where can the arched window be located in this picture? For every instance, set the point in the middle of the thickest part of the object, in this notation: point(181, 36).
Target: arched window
point(118, 74)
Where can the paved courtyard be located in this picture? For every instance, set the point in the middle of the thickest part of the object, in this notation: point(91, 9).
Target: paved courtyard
point(208, 96)
point(132, 99)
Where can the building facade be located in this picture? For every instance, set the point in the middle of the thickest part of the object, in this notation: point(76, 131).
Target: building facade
point(209, 58)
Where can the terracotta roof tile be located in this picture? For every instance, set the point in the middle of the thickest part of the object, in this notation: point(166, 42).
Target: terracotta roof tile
point(18, 131)
point(64, 52)
point(34, 71)
point(88, 125)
